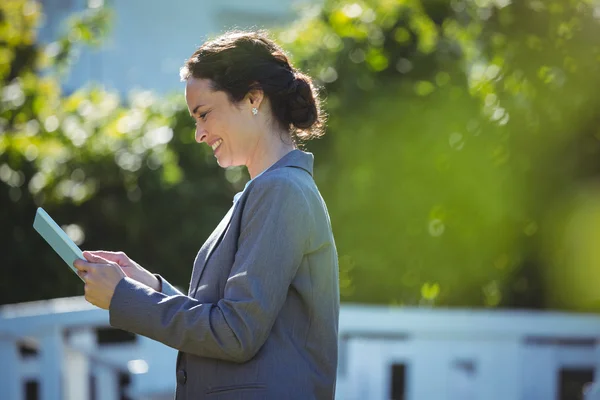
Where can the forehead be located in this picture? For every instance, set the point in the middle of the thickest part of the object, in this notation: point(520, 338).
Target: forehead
point(198, 89)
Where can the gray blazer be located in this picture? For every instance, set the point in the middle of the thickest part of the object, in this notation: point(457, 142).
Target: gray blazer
point(260, 319)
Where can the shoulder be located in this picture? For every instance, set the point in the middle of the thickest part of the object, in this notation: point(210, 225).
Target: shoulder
point(280, 198)
point(286, 180)
point(282, 187)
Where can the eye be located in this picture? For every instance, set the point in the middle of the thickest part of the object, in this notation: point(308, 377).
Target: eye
point(203, 116)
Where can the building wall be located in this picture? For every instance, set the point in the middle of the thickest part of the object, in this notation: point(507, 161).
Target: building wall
point(150, 39)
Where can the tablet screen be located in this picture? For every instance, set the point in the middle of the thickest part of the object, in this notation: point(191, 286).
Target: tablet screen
point(57, 238)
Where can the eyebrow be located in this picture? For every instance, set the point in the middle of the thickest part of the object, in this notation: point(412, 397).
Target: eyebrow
point(196, 109)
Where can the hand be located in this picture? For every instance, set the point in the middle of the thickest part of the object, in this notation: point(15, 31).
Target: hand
point(100, 279)
point(130, 267)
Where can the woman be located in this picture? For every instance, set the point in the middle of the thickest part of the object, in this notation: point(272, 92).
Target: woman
point(260, 318)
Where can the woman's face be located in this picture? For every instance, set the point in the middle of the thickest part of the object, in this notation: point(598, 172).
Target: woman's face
point(229, 129)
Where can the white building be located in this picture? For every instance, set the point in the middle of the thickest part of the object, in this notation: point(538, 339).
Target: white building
point(150, 39)
point(65, 349)
point(423, 354)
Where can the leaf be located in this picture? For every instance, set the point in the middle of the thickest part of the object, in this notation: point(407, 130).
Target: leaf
point(430, 291)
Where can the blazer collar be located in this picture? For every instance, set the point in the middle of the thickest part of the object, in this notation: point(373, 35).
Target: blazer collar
point(295, 158)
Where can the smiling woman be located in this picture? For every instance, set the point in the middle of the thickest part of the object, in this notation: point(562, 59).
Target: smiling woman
point(260, 318)
point(241, 86)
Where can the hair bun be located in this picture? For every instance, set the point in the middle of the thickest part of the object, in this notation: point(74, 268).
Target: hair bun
point(238, 62)
point(302, 108)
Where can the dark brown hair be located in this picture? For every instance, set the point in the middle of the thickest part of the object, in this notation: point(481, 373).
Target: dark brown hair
point(238, 62)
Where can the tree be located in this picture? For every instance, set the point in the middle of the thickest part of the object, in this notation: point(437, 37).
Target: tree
point(462, 138)
point(118, 175)
point(453, 125)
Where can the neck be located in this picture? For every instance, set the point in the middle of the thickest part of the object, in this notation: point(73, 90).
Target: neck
point(267, 153)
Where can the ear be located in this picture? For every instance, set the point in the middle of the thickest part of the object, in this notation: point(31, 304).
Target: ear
point(255, 97)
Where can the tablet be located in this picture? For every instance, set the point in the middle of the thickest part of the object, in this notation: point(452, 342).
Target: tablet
point(57, 238)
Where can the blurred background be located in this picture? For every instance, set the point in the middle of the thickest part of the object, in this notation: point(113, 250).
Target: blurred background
point(460, 167)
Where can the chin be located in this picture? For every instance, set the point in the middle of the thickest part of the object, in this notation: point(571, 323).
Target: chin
point(224, 163)
point(228, 162)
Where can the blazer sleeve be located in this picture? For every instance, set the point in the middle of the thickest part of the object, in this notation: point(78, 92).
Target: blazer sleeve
point(274, 235)
point(167, 288)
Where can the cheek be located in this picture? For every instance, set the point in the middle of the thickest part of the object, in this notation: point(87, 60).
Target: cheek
point(243, 128)
point(233, 130)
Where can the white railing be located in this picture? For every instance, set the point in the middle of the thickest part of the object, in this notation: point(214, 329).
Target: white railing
point(68, 357)
point(442, 354)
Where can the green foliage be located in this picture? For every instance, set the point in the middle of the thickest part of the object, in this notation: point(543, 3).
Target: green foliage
point(462, 140)
point(117, 175)
point(453, 126)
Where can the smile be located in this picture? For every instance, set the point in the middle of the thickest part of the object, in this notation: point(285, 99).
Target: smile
point(216, 144)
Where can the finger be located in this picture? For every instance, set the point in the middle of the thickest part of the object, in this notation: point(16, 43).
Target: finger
point(82, 265)
point(85, 276)
point(95, 258)
point(100, 268)
point(118, 257)
point(91, 268)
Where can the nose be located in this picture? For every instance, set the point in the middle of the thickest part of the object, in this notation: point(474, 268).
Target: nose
point(200, 134)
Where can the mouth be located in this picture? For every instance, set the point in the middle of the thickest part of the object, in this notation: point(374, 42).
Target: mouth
point(216, 145)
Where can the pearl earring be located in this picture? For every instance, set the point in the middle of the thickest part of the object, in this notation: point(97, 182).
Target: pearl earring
point(254, 110)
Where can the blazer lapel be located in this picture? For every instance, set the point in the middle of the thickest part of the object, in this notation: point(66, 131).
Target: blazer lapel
point(295, 159)
point(206, 251)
